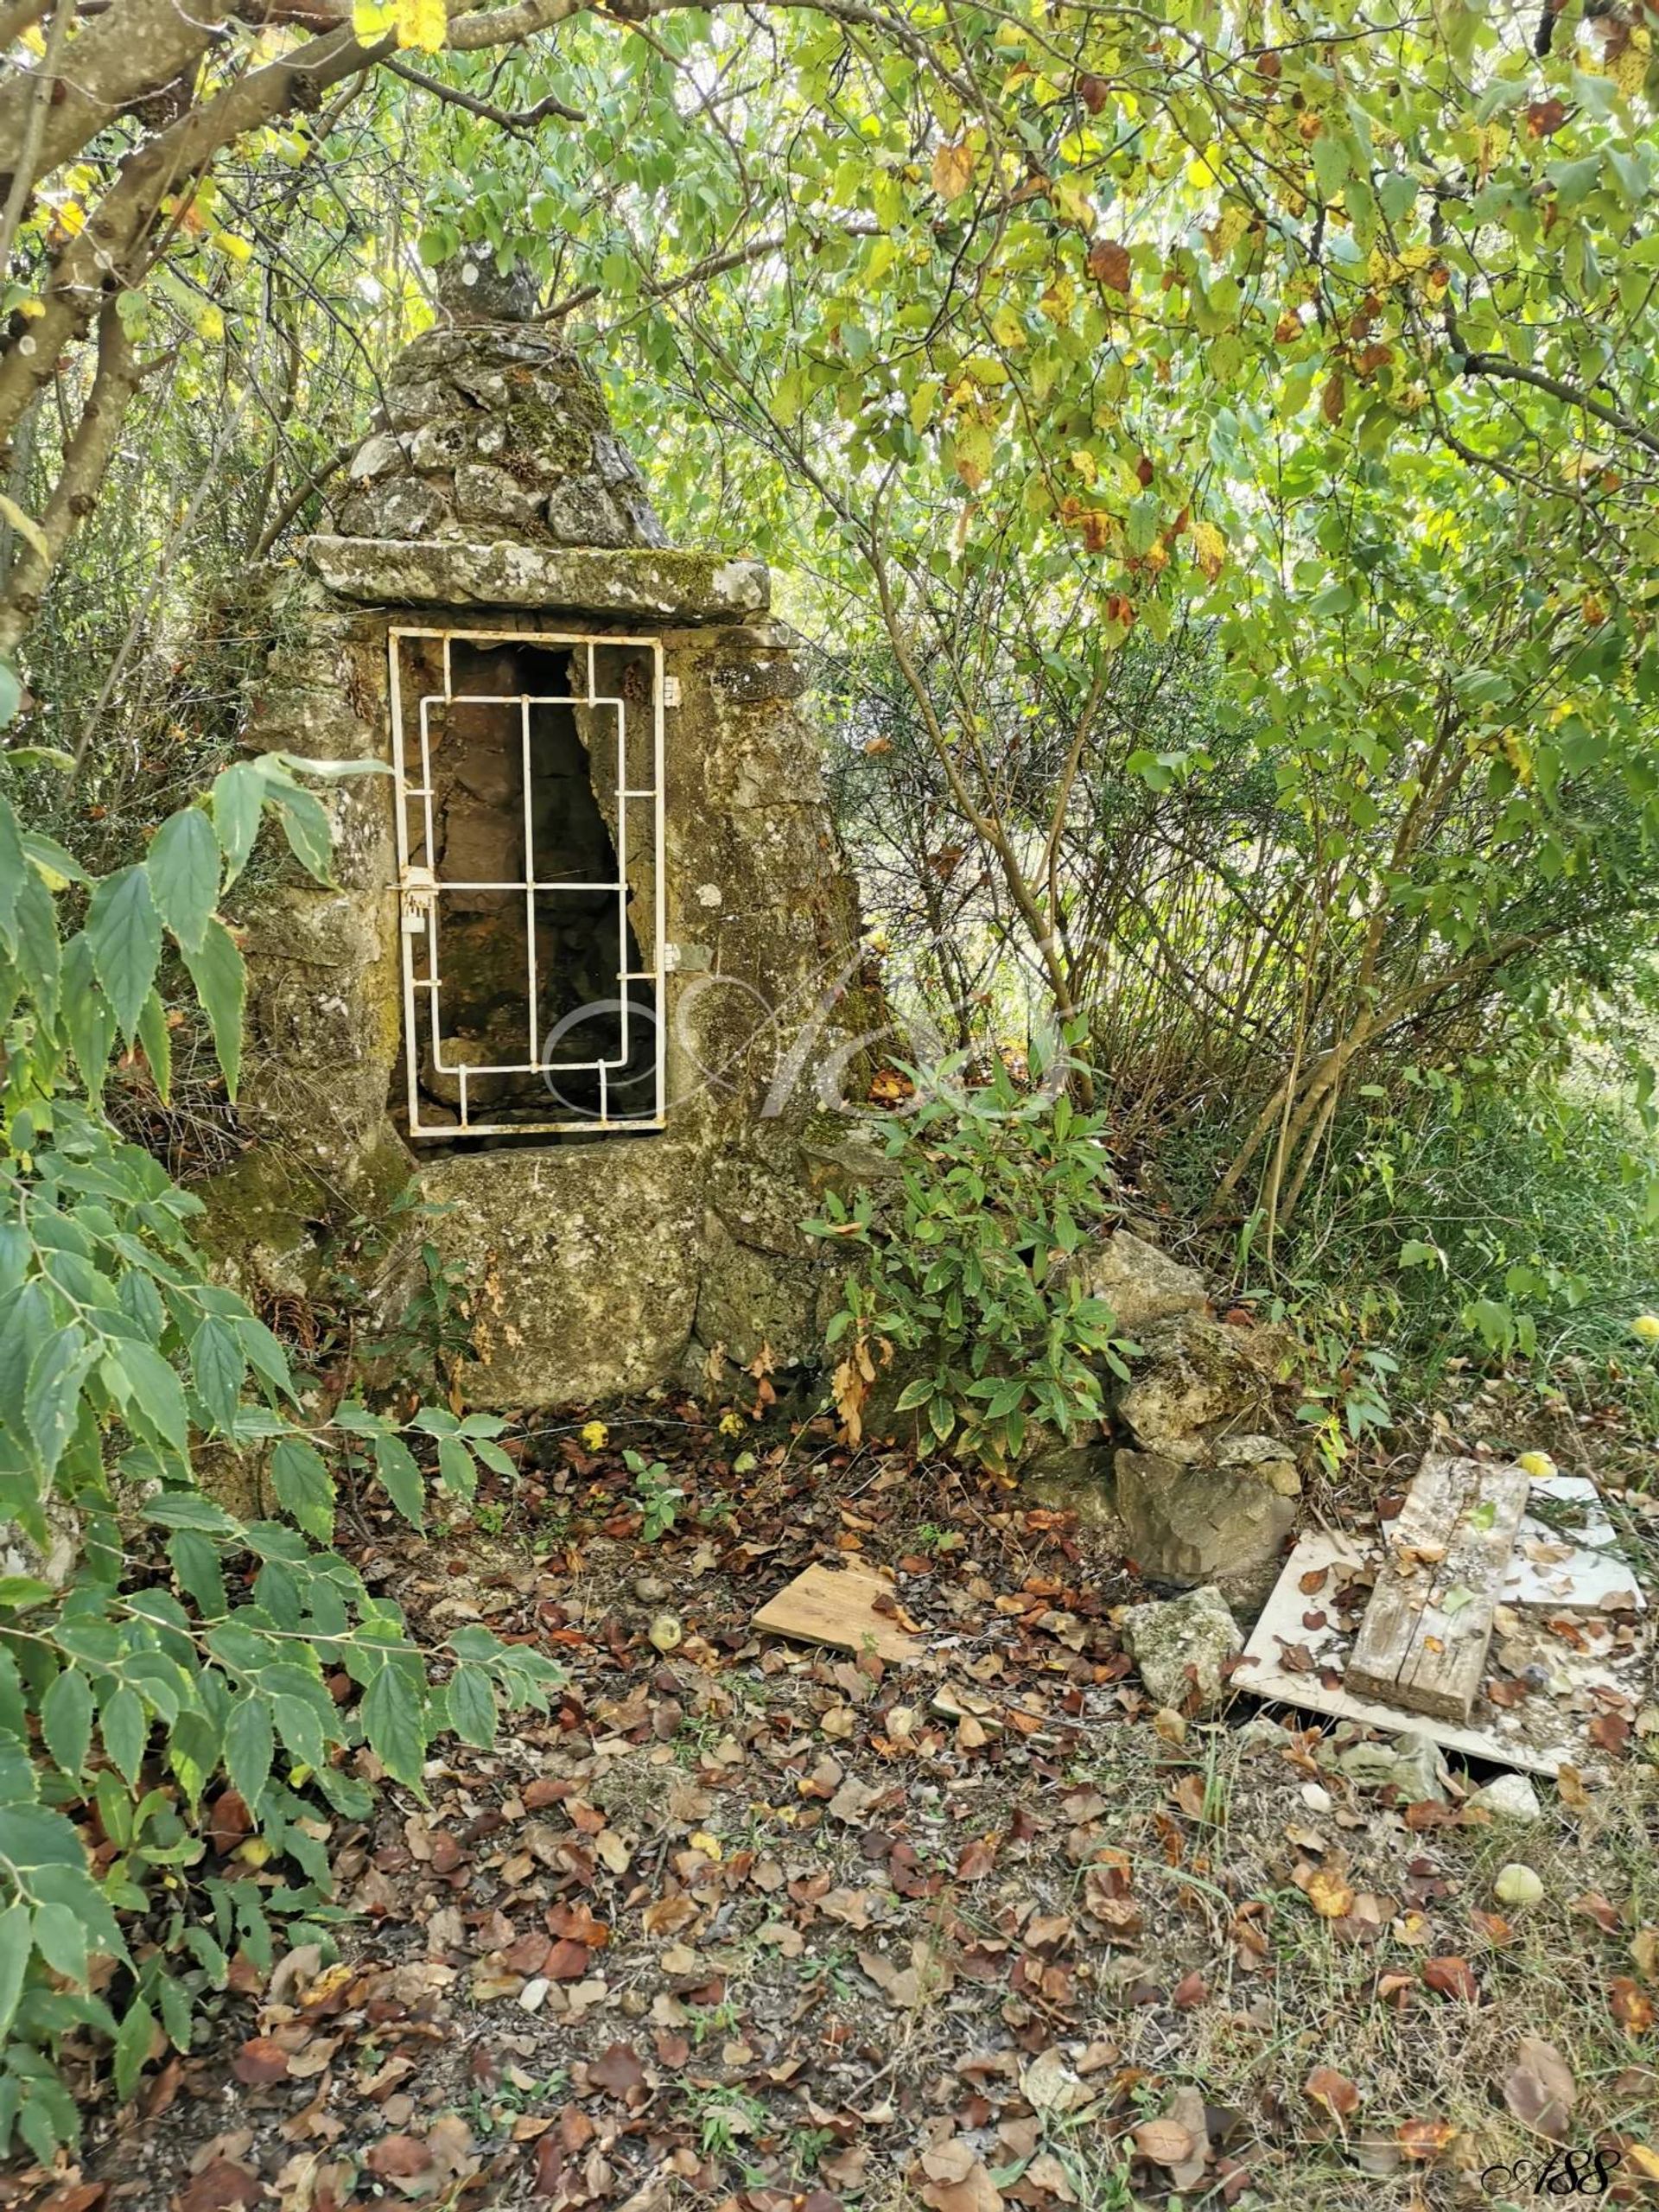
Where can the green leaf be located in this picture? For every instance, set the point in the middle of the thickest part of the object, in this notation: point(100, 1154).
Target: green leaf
point(250, 1746)
point(52, 1393)
point(455, 1468)
point(157, 1395)
point(217, 1366)
point(221, 983)
point(66, 1719)
point(392, 1723)
point(16, 1941)
point(126, 1731)
point(183, 867)
point(470, 1698)
point(238, 794)
point(88, 1015)
point(300, 1477)
point(157, 1040)
point(61, 1941)
point(125, 932)
point(132, 2045)
point(306, 825)
point(394, 1463)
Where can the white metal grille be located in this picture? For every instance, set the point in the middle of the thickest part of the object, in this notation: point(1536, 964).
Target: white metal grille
point(424, 886)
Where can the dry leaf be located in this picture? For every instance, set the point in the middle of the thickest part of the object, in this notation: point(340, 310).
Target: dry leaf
point(1165, 2142)
point(1539, 2089)
point(1329, 1895)
point(1452, 1977)
point(1325, 2086)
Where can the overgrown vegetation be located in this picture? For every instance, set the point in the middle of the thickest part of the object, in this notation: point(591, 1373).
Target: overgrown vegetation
point(167, 1664)
point(959, 1283)
point(1214, 453)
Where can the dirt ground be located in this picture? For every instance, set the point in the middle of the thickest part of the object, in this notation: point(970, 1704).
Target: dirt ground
point(752, 1926)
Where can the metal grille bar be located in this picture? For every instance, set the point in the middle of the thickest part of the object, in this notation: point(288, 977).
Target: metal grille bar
point(421, 889)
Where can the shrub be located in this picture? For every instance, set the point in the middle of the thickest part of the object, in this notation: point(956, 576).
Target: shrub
point(159, 1654)
point(959, 1275)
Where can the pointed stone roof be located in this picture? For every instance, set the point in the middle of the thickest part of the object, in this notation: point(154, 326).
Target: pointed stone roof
point(492, 433)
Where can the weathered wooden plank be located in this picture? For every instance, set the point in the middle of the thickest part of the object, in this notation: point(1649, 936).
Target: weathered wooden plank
point(1422, 1643)
point(840, 1610)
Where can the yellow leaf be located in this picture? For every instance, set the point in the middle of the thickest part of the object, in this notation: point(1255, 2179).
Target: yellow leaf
point(953, 170)
point(228, 243)
point(423, 24)
point(1329, 1895)
point(372, 19)
point(1210, 549)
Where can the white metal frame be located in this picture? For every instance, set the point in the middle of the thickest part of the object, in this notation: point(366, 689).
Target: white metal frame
point(420, 889)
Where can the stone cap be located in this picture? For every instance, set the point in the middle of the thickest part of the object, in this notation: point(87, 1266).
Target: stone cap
point(667, 584)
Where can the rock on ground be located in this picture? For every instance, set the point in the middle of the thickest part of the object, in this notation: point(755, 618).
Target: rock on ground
point(1142, 1284)
point(1182, 1648)
point(1197, 1524)
point(1512, 1796)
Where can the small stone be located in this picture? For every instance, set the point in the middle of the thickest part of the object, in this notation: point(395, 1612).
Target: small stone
point(1182, 1649)
point(1419, 1770)
point(1317, 1798)
point(1512, 1796)
point(533, 1995)
point(1368, 1766)
point(1260, 1733)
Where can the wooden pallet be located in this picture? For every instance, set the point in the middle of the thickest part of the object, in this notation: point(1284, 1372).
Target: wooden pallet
point(1422, 1643)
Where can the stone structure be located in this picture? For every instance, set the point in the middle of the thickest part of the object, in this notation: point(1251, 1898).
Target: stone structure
point(494, 509)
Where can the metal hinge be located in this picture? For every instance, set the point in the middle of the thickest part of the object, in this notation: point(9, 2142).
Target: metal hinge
point(417, 890)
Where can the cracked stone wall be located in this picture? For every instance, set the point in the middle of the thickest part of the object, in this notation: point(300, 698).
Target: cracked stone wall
point(594, 1266)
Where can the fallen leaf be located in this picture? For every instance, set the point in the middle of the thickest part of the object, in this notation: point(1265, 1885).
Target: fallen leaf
point(1539, 2089)
point(1329, 1895)
point(1630, 2006)
point(1165, 2142)
point(398, 2158)
point(222, 2186)
point(1452, 1977)
point(1424, 2138)
point(259, 2061)
point(1325, 2086)
point(618, 2071)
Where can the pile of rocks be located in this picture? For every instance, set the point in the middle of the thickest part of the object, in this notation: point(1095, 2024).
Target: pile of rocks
point(1205, 1490)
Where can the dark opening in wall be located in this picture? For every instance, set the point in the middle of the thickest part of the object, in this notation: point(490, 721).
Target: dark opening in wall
point(515, 770)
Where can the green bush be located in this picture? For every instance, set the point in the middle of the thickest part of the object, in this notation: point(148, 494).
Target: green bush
point(956, 1276)
point(157, 1652)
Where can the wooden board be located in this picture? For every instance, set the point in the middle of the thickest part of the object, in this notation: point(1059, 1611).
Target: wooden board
point(1422, 1643)
point(823, 1606)
point(1540, 1738)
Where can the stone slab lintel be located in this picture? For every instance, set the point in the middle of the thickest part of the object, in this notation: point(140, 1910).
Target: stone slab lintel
point(663, 585)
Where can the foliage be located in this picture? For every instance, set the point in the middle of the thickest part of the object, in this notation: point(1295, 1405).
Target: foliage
point(155, 1647)
point(962, 1278)
point(1496, 1227)
point(659, 1499)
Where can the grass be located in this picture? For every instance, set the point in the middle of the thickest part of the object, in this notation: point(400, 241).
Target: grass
point(1498, 1228)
